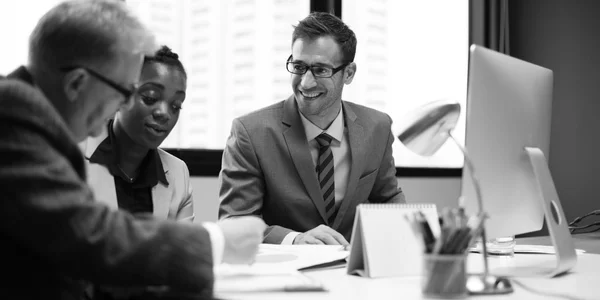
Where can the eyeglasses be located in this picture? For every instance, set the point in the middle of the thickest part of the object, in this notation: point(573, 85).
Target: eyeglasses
point(126, 92)
point(300, 68)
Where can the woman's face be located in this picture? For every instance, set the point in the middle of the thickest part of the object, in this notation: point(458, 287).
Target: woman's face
point(156, 105)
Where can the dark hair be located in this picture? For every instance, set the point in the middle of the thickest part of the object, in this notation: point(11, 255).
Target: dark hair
point(164, 55)
point(319, 24)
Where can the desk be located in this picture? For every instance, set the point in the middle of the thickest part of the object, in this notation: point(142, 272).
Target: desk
point(582, 283)
point(590, 242)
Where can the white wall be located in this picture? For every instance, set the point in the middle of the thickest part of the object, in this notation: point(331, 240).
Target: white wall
point(443, 192)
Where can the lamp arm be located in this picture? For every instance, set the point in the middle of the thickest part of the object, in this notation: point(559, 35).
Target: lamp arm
point(469, 164)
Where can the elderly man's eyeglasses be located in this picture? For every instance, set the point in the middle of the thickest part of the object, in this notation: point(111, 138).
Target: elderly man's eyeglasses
point(300, 68)
point(126, 92)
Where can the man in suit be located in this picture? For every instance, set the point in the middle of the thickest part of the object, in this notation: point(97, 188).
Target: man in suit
point(84, 60)
point(304, 164)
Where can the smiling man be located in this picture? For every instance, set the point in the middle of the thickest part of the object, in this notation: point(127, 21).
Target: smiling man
point(305, 163)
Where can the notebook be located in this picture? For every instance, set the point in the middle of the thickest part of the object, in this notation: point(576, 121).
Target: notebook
point(384, 243)
point(301, 257)
point(232, 280)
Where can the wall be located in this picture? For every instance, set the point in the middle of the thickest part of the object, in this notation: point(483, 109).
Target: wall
point(443, 192)
point(564, 37)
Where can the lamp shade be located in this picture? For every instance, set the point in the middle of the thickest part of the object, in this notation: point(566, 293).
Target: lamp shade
point(428, 127)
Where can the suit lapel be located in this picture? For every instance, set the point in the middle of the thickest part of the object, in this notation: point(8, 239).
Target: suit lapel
point(98, 176)
point(356, 140)
point(161, 200)
point(162, 195)
point(103, 184)
point(295, 139)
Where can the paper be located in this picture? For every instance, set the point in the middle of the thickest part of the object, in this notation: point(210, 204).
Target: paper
point(276, 269)
point(299, 257)
point(528, 249)
point(261, 278)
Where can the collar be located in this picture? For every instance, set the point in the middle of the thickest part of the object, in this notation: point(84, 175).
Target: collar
point(23, 74)
point(335, 130)
point(151, 169)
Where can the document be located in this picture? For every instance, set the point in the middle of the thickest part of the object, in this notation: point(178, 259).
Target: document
point(231, 279)
point(277, 269)
point(301, 257)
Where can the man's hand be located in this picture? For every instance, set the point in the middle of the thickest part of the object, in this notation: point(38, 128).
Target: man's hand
point(242, 237)
point(321, 235)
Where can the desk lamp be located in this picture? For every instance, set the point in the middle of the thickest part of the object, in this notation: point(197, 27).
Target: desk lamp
point(430, 126)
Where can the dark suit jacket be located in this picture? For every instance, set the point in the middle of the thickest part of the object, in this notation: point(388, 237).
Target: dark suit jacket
point(267, 169)
point(55, 235)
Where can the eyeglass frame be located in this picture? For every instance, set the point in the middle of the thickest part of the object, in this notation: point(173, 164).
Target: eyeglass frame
point(333, 70)
point(127, 93)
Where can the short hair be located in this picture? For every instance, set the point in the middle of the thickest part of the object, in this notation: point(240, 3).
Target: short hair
point(164, 55)
point(319, 24)
point(90, 31)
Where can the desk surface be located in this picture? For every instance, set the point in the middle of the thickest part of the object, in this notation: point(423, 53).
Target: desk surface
point(582, 283)
point(590, 242)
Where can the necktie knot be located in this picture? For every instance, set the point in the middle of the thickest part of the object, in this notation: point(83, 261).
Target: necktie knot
point(324, 139)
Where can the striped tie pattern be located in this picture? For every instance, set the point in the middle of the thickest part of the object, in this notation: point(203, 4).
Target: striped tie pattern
point(325, 174)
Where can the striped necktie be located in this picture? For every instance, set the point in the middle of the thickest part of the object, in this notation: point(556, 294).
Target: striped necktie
point(325, 174)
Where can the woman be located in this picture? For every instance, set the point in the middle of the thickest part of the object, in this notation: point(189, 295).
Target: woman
point(126, 168)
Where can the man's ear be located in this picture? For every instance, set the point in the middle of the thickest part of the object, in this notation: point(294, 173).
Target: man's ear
point(73, 84)
point(349, 73)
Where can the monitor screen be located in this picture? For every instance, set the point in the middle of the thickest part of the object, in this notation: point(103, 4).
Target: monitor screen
point(509, 105)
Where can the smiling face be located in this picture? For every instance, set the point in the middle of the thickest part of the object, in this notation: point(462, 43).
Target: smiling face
point(319, 97)
point(156, 105)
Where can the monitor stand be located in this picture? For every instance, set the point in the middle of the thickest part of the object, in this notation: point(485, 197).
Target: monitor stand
point(566, 258)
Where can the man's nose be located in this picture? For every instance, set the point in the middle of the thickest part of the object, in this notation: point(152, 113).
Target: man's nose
point(308, 80)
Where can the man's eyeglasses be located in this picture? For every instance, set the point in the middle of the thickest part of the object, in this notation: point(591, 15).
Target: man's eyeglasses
point(300, 68)
point(126, 92)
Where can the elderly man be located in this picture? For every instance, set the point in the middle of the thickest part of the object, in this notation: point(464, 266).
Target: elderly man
point(84, 62)
point(305, 163)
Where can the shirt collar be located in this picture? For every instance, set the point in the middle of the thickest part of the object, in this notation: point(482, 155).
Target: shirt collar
point(151, 170)
point(23, 74)
point(335, 130)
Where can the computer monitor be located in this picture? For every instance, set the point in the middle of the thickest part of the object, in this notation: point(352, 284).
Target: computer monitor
point(509, 106)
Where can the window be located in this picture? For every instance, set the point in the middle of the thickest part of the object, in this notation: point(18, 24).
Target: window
point(17, 21)
point(235, 53)
point(409, 53)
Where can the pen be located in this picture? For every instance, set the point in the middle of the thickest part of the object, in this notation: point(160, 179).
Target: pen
point(417, 230)
point(304, 288)
point(427, 233)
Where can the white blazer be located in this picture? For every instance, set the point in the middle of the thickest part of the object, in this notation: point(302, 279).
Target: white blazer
point(173, 202)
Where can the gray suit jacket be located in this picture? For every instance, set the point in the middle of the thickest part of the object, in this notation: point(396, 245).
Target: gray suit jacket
point(173, 201)
point(55, 235)
point(267, 169)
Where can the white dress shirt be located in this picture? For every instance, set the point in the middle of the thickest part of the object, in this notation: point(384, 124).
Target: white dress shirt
point(217, 241)
point(341, 157)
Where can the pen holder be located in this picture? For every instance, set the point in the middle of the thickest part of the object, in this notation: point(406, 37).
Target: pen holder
point(444, 276)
